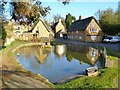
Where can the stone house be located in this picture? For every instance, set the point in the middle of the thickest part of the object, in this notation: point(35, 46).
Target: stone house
point(87, 30)
point(59, 29)
point(40, 30)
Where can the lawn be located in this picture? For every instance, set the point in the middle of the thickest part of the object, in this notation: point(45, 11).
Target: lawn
point(12, 45)
point(106, 79)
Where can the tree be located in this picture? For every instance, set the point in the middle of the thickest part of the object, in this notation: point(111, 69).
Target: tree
point(108, 20)
point(3, 34)
point(65, 2)
point(57, 17)
point(69, 19)
point(27, 12)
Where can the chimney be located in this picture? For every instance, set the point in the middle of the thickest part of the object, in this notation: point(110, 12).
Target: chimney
point(80, 17)
point(59, 20)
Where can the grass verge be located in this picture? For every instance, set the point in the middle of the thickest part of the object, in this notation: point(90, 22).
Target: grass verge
point(106, 79)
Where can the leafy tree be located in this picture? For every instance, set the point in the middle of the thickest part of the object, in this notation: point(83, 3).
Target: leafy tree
point(108, 20)
point(68, 20)
point(27, 12)
point(65, 2)
point(3, 34)
point(69, 57)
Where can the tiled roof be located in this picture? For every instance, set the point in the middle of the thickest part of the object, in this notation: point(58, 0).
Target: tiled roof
point(80, 24)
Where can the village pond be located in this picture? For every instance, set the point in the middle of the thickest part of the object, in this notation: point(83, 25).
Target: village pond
point(59, 61)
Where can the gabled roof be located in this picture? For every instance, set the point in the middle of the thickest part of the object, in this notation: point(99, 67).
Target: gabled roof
point(54, 25)
point(81, 24)
point(48, 29)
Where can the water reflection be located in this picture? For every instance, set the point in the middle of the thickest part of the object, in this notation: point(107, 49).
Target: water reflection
point(84, 54)
point(60, 50)
point(60, 61)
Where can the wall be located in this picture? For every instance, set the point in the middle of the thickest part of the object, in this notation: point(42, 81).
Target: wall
point(76, 35)
point(59, 27)
point(93, 35)
point(43, 32)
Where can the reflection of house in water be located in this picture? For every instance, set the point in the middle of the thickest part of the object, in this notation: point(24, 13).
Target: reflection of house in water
point(60, 50)
point(41, 54)
point(83, 54)
point(92, 54)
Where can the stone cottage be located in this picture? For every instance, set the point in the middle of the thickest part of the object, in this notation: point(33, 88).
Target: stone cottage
point(87, 30)
point(59, 29)
point(39, 31)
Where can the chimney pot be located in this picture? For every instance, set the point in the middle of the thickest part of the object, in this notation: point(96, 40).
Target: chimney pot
point(80, 17)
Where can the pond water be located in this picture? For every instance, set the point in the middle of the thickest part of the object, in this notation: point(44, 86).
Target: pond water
point(60, 61)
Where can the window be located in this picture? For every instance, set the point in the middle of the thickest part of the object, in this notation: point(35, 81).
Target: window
point(76, 31)
point(76, 37)
point(93, 30)
point(93, 24)
point(93, 38)
point(80, 37)
point(71, 37)
point(37, 31)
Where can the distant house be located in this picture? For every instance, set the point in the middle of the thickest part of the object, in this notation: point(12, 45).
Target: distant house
point(59, 29)
point(40, 30)
point(87, 30)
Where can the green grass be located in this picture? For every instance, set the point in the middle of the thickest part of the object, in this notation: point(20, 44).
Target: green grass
point(106, 79)
point(11, 45)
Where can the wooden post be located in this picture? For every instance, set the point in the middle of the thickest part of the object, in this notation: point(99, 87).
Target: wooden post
point(104, 55)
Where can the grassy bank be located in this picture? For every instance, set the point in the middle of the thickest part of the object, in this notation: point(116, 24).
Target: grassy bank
point(106, 79)
point(12, 45)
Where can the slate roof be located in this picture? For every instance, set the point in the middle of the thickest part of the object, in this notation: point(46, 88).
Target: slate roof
point(54, 25)
point(81, 24)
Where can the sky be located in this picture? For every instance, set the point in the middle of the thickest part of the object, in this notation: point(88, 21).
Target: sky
point(85, 9)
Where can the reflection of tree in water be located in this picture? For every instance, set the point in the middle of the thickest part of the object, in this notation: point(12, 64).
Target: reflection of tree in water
point(69, 57)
